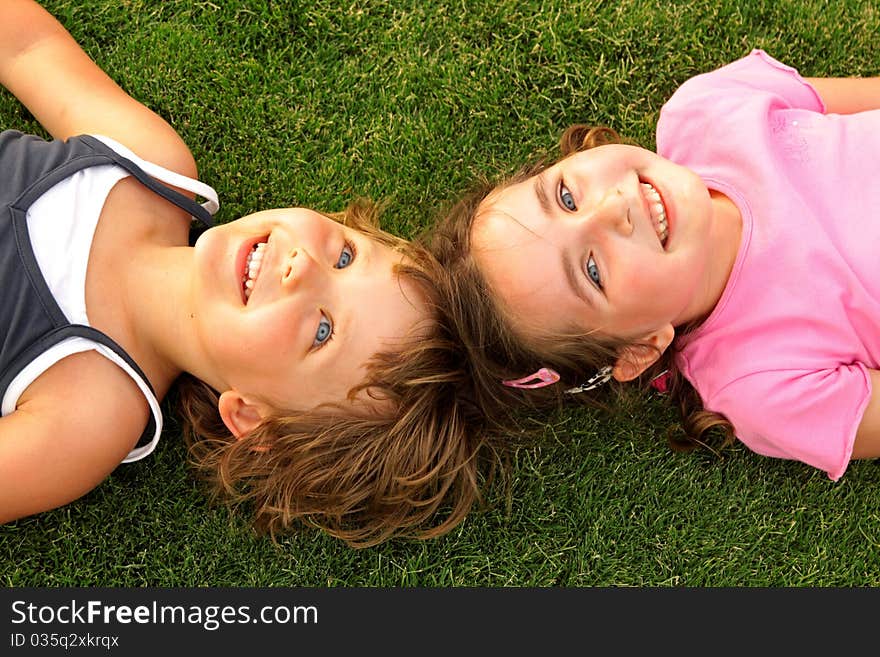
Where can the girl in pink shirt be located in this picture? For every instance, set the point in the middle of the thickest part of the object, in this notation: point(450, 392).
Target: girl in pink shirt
point(736, 267)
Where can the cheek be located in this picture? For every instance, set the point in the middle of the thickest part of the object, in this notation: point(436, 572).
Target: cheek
point(307, 226)
point(280, 336)
point(644, 288)
point(271, 337)
point(641, 274)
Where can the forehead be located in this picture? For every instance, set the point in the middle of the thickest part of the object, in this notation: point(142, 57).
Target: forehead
point(522, 267)
point(520, 252)
point(382, 310)
point(509, 223)
point(394, 303)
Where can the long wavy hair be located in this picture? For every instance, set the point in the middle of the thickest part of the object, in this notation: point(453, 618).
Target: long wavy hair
point(414, 468)
point(500, 352)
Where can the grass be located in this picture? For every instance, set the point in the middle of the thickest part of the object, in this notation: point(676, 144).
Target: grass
point(313, 103)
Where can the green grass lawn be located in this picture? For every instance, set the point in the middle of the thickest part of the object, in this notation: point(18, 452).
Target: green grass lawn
point(313, 103)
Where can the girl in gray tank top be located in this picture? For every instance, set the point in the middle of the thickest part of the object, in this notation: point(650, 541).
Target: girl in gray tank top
point(268, 324)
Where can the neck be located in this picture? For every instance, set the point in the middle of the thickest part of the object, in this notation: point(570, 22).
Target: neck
point(727, 235)
point(159, 303)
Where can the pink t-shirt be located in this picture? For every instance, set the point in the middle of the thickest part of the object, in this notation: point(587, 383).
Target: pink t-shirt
point(784, 355)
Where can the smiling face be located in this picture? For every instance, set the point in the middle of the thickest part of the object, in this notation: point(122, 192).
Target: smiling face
point(290, 305)
point(614, 239)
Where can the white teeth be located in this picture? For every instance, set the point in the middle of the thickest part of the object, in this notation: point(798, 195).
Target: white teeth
point(252, 268)
point(658, 212)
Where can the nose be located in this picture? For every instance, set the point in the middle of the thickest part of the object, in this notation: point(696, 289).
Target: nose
point(298, 269)
point(611, 213)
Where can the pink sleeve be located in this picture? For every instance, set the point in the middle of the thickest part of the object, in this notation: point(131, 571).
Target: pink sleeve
point(758, 71)
point(756, 78)
point(808, 416)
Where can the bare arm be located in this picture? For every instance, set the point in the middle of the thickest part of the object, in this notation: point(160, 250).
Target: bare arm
point(848, 95)
point(867, 445)
point(63, 439)
point(42, 65)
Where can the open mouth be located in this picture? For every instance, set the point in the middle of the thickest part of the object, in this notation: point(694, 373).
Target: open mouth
point(252, 266)
point(658, 212)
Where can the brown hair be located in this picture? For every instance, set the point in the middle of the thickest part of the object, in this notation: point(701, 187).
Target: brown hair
point(499, 352)
point(414, 469)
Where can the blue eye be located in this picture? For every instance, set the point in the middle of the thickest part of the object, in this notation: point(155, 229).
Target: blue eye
point(324, 332)
point(593, 272)
point(345, 257)
point(566, 198)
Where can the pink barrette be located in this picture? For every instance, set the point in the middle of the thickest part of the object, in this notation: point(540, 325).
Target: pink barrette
point(660, 383)
point(545, 377)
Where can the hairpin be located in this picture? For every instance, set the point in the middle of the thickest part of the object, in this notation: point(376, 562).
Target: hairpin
point(599, 378)
point(545, 377)
point(660, 383)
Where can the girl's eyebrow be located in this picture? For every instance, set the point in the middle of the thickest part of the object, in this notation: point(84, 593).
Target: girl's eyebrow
point(541, 193)
point(571, 274)
point(568, 266)
point(365, 245)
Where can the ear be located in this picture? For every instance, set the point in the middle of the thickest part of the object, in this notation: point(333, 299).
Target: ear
point(240, 414)
point(637, 358)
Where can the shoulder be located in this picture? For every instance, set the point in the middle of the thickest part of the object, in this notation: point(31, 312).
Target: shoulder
point(728, 107)
point(757, 72)
point(74, 425)
point(86, 394)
